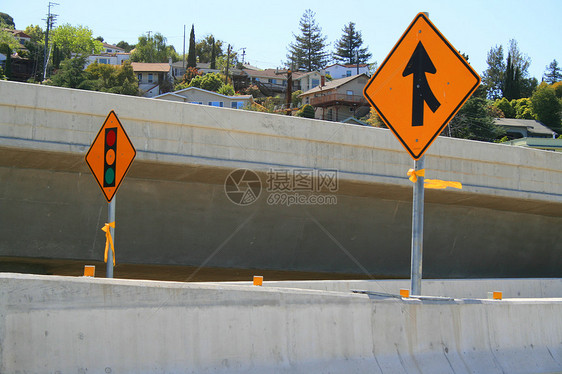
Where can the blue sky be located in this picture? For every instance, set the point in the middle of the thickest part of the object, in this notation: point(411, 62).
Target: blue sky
point(266, 28)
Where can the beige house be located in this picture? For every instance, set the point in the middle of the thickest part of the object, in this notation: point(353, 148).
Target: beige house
point(196, 95)
point(274, 81)
point(150, 76)
point(339, 99)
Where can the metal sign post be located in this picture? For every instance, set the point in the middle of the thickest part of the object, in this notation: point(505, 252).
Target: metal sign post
point(110, 218)
point(417, 230)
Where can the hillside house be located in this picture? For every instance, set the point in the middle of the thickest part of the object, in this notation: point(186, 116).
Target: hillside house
point(195, 95)
point(339, 99)
point(151, 76)
point(337, 71)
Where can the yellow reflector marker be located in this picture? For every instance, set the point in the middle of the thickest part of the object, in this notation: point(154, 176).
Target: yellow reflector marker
point(89, 270)
point(258, 280)
point(404, 292)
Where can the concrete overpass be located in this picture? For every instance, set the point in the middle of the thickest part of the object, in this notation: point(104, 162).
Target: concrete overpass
point(172, 208)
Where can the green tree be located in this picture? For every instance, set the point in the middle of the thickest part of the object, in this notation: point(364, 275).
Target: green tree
point(110, 78)
point(152, 48)
point(505, 106)
point(226, 89)
point(204, 49)
point(70, 39)
point(553, 73)
point(209, 82)
point(192, 54)
point(307, 111)
point(474, 121)
point(546, 106)
point(493, 77)
point(558, 89)
point(295, 99)
point(7, 20)
point(126, 46)
point(71, 73)
point(523, 109)
point(348, 47)
point(512, 80)
point(308, 51)
point(35, 49)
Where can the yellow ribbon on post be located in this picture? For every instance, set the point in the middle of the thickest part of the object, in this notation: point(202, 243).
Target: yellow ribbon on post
point(432, 183)
point(414, 175)
point(108, 241)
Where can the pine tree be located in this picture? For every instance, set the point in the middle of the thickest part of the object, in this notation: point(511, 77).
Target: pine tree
point(553, 73)
point(348, 48)
point(493, 77)
point(191, 56)
point(512, 80)
point(308, 52)
point(213, 56)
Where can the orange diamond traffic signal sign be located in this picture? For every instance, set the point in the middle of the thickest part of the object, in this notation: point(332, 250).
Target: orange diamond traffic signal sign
point(110, 155)
point(420, 86)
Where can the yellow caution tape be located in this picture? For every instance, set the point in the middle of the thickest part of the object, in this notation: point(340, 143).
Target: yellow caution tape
point(108, 241)
point(432, 183)
point(439, 184)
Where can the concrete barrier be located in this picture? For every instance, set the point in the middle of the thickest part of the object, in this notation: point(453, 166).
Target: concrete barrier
point(77, 325)
point(456, 288)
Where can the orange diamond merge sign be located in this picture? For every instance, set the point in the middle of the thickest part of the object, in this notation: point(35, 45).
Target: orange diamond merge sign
point(110, 155)
point(420, 86)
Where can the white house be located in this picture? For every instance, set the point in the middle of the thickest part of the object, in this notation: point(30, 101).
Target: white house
point(111, 55)
point(338, 71)
point(196, 95)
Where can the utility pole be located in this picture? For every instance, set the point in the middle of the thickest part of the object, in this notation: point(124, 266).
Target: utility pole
point(50, 22)
point(289, 90)
point(243, 54)
point(227, 63)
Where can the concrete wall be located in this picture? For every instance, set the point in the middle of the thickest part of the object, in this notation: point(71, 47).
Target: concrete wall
point(79, 325)
point(172, 209)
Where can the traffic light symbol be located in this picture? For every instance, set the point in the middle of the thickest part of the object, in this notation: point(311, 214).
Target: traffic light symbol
point(109, 158)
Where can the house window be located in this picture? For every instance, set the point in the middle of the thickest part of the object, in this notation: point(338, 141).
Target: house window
point(196, 102)
point(150, 78)
point(315, 83)
point(256, 79)
point(237, 104)
point(216, 103)
point(139, 77)
point(349, 93)
point(272, 81)
point(348, 73)
point(103, 61)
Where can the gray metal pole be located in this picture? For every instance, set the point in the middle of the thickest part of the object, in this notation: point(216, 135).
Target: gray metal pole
point(417, 230)
point(110, 218)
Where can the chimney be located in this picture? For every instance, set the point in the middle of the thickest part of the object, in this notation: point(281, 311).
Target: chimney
point(322, 81)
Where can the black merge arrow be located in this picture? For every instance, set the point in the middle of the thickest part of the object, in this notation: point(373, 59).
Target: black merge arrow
point(419, 64)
